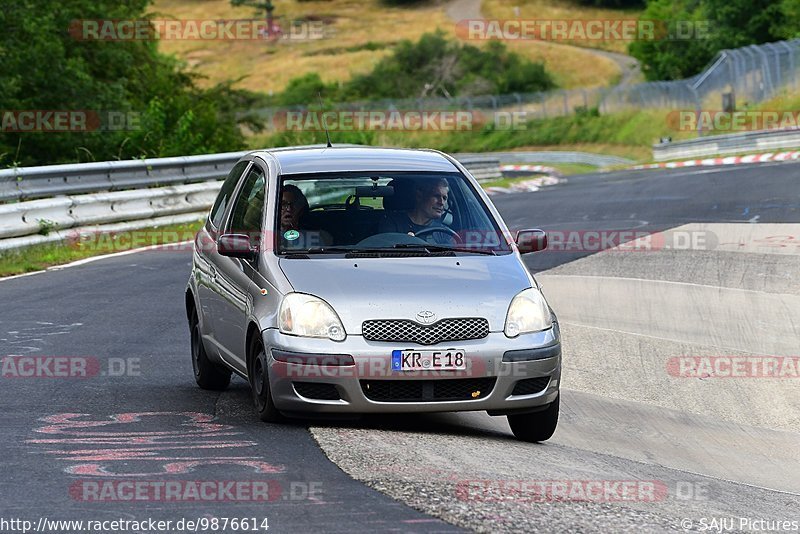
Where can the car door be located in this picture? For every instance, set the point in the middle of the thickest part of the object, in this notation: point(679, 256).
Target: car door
point(204, 267)
point(233, 275)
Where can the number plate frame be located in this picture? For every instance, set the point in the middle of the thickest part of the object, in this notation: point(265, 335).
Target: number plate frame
point(429, 360)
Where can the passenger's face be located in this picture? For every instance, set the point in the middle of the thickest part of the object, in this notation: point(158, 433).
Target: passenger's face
point(290, 210)
point(432, 203)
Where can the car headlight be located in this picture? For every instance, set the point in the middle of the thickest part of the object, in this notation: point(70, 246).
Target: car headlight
point(528, 313)
point(309, 316)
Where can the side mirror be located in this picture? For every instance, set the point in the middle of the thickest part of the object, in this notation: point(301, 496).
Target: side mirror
point(531, 241)
point(236, 246)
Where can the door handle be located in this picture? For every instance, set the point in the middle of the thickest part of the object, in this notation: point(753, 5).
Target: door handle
point(213, 271)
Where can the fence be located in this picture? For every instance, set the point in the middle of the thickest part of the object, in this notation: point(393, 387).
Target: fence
point(751, 74)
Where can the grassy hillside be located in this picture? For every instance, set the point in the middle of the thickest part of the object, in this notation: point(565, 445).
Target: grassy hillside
point(629, 134)
point(360, 33)
point(560, 10)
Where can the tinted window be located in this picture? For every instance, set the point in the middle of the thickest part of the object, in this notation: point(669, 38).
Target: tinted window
point(218, 210)
point(249, 206)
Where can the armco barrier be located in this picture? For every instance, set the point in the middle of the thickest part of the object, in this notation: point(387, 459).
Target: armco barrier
point(482, 168)
point(597, 160)
point(62, 212)
point(27, 183)
point(727, 144)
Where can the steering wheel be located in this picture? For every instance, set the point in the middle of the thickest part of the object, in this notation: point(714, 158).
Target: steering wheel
point(443, 229)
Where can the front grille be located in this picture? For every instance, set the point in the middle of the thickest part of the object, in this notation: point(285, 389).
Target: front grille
point(427, 390)
point(403, 330)
point(529, 386)
point(316, 390)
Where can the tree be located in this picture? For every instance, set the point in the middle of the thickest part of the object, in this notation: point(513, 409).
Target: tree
point(729, 24)
point(47, 68)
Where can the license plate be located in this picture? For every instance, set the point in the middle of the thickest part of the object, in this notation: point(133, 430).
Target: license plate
point(422, 360)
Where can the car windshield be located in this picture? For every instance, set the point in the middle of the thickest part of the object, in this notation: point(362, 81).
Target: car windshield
point(380, 212)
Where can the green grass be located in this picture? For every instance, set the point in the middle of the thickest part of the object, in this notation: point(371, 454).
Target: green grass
point(508, 182)
point(631, 132)
point(38, 257)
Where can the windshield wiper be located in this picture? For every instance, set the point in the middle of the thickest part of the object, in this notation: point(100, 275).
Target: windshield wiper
point(442, 248)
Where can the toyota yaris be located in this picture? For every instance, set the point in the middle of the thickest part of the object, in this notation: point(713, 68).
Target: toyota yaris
point(370, 280)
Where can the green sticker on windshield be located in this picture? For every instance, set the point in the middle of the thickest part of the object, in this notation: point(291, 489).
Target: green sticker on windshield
point(291, 235)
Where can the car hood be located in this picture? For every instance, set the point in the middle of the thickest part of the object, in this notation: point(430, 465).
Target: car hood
point(399, 288)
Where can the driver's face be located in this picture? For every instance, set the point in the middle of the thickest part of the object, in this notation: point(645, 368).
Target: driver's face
point(290, 211)
point(432, 203)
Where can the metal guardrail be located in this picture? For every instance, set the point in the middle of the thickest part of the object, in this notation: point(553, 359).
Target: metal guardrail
point(482, 168)
point(27, 183)
point(597, 160)
point(727, 144)
point(61, 212)
point(24, 183)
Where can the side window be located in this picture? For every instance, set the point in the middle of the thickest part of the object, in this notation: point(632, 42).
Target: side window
point(249, 206)
point(218, 210)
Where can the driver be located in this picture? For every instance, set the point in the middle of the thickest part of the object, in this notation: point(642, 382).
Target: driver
point(430, 201)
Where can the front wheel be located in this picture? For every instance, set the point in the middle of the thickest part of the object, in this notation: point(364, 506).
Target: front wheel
point(259, 384)
point(207, 374)
point(536, 426)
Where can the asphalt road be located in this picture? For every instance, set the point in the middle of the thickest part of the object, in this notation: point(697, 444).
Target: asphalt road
point(70, 444)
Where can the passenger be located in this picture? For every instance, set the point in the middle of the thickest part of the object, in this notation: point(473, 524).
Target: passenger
point(294, 233)
point(294, 206)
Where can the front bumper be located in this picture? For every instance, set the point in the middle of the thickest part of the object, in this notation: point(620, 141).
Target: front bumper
point(373, 363)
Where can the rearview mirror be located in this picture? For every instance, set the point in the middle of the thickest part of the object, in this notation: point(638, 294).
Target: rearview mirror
point(369, 191)
point(531, 240)
point(236, 246)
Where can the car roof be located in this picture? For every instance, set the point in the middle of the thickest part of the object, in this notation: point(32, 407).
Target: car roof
point(297, 160)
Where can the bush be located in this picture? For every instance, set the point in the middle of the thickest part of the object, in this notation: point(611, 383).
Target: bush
point(305, 89)
point(722, 24)
point(433, 66)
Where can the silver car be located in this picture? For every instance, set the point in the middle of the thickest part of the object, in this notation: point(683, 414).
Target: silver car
point(370, 280)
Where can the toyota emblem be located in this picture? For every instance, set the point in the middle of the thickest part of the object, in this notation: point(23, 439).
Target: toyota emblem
point(426, 317)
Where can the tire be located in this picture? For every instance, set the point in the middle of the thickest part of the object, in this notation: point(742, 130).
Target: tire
point(536, 426)
point(207, 374)
point(259, 384)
